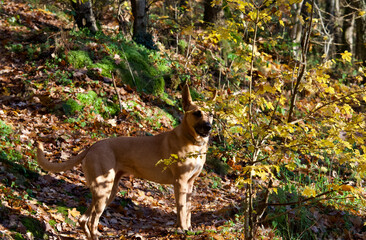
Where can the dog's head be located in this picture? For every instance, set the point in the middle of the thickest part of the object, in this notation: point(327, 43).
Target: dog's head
point(197, 120)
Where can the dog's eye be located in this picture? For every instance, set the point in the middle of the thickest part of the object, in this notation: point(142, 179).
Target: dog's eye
point(197, 113)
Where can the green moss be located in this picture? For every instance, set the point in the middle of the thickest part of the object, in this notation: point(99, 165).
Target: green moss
point(71, 107)
point(34, 226)
point(89, 98)
point(100, 105)
point(146, 77)
point(5, 130)
point(137, 66)
point(79, 59)
point(107, 66)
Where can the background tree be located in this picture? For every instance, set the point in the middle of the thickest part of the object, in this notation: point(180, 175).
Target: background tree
point(84, 15)
point(348, 26)
point(140, 23)
point(213, 12)
point(360, 48)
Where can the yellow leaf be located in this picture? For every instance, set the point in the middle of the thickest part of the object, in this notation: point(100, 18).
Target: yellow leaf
point(310, 8)
point(346, 56)
point(294, 1)
point(361, 13)
point(75, 213)
point(347, 188)
point(329, 90)
point(269, 89)
point(58, 217)
point(241, 182)
point(282, 24)
point(269, 105)
point(347, 109)
point(291, 166)
point(252, 15)
point(309, 192)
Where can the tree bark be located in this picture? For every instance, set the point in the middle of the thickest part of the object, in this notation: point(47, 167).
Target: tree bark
point(140, 34)
point(213, 14)
point(84, 16)
point(360, 48)
point(296, 31)
point(348, 29)
point(333, 26)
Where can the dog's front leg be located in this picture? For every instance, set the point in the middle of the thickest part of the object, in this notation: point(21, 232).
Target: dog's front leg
point(180, 192)
point(189, 201)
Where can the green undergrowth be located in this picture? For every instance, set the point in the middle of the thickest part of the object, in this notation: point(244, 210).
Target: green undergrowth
point(113, 56)
point(16, 185)
point(88, 106)
point(99, 105)
point(79, 58)
point(7, 143)
point(9, 156)
point(311, 214)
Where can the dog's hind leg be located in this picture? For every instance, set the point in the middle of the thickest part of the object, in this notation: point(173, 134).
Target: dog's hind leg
point(115, 187)
point(83, 220)
point(102, 188)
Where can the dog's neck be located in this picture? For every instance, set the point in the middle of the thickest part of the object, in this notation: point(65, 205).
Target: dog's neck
point(198, 142)
point(202, 141)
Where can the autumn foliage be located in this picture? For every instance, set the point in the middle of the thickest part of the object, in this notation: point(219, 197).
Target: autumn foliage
point(287, 156)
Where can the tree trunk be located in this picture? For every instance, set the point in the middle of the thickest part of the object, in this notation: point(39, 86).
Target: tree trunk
point(296, 31)
point(140, 34)
point(333, 26)
point(348, 29)
point(84, 16)
point(337, 26)
point(213, 14)
point(360, 47)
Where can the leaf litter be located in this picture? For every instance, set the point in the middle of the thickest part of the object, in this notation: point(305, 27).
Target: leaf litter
point(35, 203)
point(54, 201)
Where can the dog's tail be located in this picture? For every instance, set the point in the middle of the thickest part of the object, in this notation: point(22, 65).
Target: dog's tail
point(57, 167)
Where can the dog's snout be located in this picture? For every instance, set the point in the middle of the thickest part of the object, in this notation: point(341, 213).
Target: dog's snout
point(203, 129)
point(207, 126)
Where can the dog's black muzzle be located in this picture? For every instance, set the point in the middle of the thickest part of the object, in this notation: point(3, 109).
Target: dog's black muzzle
point(203, 129)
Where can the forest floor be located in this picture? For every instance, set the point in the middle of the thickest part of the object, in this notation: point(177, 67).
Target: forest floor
point(46, 203)
point(35, 203)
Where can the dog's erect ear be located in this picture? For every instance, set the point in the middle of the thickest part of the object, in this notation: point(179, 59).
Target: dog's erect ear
point(186, 98)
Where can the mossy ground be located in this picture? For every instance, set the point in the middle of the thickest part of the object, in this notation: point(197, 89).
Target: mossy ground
point(134, 65)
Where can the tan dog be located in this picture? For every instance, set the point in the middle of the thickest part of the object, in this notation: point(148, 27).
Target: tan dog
point(106, 161)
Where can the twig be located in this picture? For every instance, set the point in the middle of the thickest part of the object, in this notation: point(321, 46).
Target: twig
point(251, 76)
point(305, 230)
point(301, 201)
point(129, 67)
point(303, 64)
point(326, 104)
point(265, 201)
point(292, 209)
point(118, 96)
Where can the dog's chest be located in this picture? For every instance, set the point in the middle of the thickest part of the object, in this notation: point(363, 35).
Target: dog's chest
point(194, 160)
point(196, 170)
